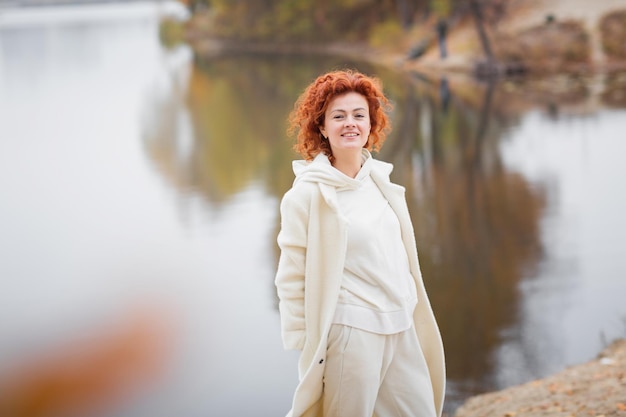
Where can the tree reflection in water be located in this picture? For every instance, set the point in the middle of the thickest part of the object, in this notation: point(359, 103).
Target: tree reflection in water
point(477, 226)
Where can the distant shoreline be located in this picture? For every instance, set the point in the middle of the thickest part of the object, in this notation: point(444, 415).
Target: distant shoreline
point(464, 52)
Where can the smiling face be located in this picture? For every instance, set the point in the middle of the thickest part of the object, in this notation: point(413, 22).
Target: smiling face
point(347, 123)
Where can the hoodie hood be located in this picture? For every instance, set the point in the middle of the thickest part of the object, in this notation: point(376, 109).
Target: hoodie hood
point(320, 170)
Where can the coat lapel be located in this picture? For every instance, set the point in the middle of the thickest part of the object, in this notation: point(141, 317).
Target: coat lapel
point(395, 195)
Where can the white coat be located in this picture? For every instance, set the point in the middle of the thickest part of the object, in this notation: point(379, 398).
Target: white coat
point(313, 241)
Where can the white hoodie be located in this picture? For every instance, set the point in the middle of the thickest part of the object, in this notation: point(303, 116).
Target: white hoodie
point(377, 291)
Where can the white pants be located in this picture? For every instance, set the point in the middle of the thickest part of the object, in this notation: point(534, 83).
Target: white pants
point(369, 373)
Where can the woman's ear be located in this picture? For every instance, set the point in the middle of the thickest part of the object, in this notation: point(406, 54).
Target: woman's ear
point(323, 132)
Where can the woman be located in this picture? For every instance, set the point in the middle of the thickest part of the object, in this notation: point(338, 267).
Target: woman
point(351, 293)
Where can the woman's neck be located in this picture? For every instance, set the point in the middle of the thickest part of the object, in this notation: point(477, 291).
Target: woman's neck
point(349, 164)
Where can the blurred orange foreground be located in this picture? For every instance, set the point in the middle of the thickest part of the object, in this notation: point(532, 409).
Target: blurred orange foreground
point(90, 376)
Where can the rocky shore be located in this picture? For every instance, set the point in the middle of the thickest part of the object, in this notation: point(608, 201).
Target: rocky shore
point(593, 389)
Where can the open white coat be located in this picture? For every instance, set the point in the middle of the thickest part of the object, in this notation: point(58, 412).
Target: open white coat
point(313, 241)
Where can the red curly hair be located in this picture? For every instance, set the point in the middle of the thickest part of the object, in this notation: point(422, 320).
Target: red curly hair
point(309, 111)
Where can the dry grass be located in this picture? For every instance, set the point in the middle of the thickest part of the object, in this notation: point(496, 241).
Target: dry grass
point(613, 32)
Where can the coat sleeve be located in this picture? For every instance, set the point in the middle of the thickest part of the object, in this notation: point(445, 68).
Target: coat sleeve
point(289, 280)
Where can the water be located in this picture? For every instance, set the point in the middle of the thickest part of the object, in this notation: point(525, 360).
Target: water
point(139, 192)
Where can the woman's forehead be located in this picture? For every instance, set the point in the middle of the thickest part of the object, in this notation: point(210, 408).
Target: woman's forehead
point(348, 102)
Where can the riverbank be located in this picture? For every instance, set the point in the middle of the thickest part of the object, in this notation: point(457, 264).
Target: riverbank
point(531, 37)
point(593, 389)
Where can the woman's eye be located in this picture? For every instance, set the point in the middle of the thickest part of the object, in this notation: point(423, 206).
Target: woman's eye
point(360, 116)
point(338, 117)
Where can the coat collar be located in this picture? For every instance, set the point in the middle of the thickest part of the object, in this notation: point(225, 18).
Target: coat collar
point(380, 171)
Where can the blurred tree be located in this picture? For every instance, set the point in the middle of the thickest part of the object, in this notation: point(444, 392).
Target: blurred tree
point(279, 20)
point(477, 12)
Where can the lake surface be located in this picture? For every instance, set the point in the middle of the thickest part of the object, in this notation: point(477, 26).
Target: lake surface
point(139, 192)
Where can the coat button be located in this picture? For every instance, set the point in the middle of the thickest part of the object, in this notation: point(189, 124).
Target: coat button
point(321, 360)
